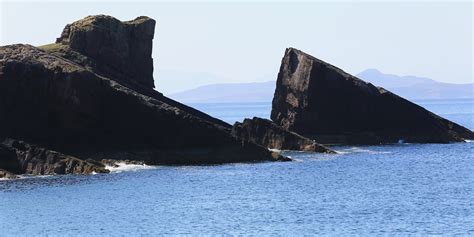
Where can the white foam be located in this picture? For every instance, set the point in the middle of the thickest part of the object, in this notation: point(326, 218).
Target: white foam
point(360, 150)
point(469, 141)
point(26, 176)
point(122, 166)
point(38, 176)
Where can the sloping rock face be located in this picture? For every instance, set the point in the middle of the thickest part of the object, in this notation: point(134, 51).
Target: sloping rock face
point(320, 101)
point(66, 105)
point(115, 49)
point(270, 135)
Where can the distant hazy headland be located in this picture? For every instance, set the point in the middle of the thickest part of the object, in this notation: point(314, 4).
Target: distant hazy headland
point(410, 87)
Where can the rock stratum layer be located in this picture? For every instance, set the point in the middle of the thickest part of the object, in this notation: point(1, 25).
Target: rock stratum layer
point(89, 97)
point(320, 101)
point(272, 136)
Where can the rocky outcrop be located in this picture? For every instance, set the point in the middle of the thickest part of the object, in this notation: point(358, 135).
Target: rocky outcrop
point(272, 136)
point(75, 106)
point(7, 174)
point(86, 115)
point(9, 160)
point(320, 101)
point(21, 158)
point(115, 49)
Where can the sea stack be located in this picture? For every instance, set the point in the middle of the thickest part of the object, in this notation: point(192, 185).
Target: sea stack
point(116, 49)
point(322, 102)
point(66, 106)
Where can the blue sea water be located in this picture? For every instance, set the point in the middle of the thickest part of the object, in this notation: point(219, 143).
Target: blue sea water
point(403, 189)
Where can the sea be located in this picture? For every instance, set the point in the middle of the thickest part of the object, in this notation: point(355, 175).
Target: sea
point(392, 190)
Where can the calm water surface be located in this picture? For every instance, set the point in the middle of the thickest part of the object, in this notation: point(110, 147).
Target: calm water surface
point(406, 189)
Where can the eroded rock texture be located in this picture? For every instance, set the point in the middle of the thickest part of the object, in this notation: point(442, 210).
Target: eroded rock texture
point(272, 136)
point(320, 101)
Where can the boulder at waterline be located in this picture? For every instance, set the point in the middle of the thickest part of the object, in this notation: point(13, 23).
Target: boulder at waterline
point(268, 134)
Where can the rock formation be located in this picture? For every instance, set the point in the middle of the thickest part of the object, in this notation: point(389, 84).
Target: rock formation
point(270, 135)
point(7, 174)
point(22, 158)
point(320, 101)
point(115, 49)
point(90, 96)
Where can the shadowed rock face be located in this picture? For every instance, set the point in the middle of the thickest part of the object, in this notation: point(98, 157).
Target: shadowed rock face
point(119, 50)
point(9, 160)
point(58, 100)
point(272, 136)
point(320, 101)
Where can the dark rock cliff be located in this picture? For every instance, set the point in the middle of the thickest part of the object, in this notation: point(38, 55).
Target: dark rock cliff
point(115, 49)
point(78, 98)
point(270, 135)
point(320, 101)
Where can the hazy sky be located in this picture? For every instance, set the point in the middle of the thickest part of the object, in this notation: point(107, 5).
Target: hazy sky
point(209, 42)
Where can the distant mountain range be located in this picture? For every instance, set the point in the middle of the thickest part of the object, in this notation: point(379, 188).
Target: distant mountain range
point(229, 92)
point(409, 87)
point(412, 87)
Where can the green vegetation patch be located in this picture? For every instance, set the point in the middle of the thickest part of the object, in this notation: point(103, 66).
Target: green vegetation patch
point(51, 47)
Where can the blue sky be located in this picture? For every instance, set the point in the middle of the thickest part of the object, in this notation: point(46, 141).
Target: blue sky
point(198, 43)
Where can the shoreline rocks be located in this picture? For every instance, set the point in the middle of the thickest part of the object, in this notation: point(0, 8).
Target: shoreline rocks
point(7, 175)
point(78, 103)
point(18, 157)
point(322, 102)
point(87, 101)
point(272, 136)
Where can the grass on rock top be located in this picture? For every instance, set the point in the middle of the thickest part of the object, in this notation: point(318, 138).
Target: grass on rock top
point(51, 47)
